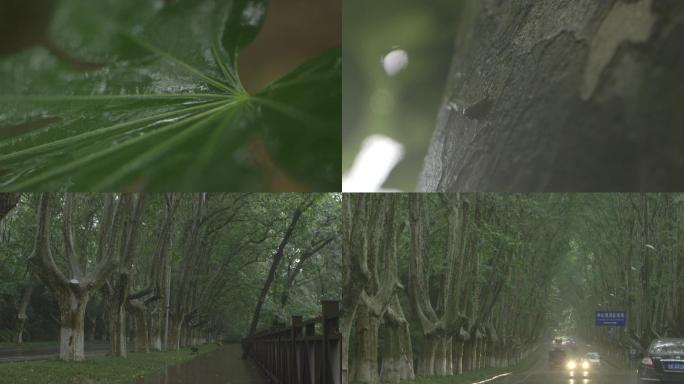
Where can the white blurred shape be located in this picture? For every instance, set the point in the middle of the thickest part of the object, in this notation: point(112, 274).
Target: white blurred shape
point(373, 164)
point(395, 61)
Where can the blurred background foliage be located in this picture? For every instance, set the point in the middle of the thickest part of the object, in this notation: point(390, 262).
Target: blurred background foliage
point(403, 107)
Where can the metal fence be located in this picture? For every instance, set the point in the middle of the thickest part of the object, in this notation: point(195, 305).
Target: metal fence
point(306, 352)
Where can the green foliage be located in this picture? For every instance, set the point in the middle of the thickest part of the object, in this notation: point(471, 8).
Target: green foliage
point(240, 233)
point(154, 101)
point(110, 370)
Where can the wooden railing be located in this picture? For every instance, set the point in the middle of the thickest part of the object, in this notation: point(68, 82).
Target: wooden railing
point(306, 352)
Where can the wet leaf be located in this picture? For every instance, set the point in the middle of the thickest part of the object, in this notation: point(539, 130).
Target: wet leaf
point(131, 94)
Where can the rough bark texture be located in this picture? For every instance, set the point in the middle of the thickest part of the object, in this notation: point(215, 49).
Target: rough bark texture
point(159, 278)
point(7, 202)
point(21, 315)
point(73, 287)
point(372, 226)
point(397, 359)
point(436, 325)
point(563, 95)
point(356, 274)
point(139, 312)
point(120, 283)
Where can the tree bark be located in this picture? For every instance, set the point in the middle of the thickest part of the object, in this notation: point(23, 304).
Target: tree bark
point(367, 333)
point(397, 359)
point(72, 290)
point(356, 274)
point(436, 327)
point(72, 306)
point(121, 281)
point(139, 312)
point(7, 202)
point(21, 315)
point(562, 95)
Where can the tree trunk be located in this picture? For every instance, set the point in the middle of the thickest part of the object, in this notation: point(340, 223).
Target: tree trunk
point(174, 332)
point(535, 99)
point(391, 356)
point(93, 328)
point(72, 292)
point(277, 257)
point(441, 353)
point(367, 329)
point(458, 356)
point(157, 328)
point(406, 349)
point(21, 316)
point(426, 359)
point(469, 351)
point(117, 329)
point(398, 354)
point(72, 308)
point(7, 202)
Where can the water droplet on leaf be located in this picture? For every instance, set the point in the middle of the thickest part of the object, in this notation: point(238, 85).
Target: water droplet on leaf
point(395, 62)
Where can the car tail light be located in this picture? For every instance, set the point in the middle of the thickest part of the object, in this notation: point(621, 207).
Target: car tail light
point(647, 362)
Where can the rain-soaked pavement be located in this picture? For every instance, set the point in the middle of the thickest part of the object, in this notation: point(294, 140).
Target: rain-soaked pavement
point(222, 366)
point(540, 373)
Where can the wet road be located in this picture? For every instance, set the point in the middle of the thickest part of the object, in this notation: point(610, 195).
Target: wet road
point(28, 352)
point(222, 366)
point(540, 373)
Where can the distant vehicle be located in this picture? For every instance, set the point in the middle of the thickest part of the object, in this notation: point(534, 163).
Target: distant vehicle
point(594, 359)
point(578, 368)
point(663, 362)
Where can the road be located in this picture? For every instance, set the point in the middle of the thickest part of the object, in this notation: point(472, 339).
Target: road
point(540, 373)
point(14, 354)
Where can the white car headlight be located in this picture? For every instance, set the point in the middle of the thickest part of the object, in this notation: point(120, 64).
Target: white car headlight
point(572, 364)
point(585, 365)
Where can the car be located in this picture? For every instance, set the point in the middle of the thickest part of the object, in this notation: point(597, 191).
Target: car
point(663, 362)
point(594, 359)
point(577, 368)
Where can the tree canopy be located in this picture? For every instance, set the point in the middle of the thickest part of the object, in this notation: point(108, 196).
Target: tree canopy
point(181, 267)
point(457, 282)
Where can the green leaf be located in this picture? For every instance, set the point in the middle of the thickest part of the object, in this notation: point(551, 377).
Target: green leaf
point(131, 94)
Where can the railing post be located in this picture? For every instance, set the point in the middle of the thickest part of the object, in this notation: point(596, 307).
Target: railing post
point(332, 358)
point(296, 354)
point(296, 367)
point(311, 351)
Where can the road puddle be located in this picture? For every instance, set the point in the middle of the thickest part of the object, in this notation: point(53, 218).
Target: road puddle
point(222, 366)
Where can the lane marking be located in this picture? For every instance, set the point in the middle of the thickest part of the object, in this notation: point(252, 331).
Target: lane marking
point(493, 378)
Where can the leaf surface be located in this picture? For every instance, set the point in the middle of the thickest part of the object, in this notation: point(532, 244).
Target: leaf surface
point(131, 95)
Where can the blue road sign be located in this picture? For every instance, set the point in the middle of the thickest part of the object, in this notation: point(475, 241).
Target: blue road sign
point(611, 318)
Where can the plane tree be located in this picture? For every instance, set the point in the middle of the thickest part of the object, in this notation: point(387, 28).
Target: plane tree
point(164, 270)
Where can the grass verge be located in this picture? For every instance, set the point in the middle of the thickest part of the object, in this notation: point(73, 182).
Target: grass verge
point(98, 370)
